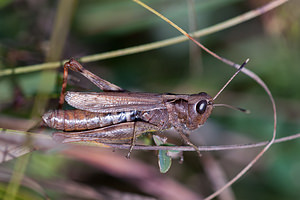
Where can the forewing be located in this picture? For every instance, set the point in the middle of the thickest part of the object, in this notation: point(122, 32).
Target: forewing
point(106, 102)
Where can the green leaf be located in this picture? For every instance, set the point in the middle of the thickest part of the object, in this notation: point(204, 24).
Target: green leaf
point(164, 161)
point(158, 140)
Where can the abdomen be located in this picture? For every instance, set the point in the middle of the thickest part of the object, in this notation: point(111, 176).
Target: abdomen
point(77, 120)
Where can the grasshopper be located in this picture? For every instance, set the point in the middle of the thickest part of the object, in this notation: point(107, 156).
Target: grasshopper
point(116, 115)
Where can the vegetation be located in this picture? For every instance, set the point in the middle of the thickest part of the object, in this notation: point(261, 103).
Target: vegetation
point(35, 36)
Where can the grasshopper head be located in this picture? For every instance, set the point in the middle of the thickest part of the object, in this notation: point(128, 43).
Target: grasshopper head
point(199, 109)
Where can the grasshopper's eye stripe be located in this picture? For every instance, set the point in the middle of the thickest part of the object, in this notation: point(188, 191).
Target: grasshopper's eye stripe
point(201, 106)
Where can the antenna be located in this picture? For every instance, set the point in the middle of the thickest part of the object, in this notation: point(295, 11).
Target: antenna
point(232, 107)
point(234, 75)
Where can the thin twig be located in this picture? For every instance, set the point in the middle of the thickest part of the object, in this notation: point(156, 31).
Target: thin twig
point(206, 148)
point(39, 141)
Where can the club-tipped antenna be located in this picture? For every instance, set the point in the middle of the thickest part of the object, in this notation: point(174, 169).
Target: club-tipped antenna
point(233, 107)
point(234, 75)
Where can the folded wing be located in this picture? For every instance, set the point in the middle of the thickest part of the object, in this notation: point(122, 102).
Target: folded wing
point(106, 102)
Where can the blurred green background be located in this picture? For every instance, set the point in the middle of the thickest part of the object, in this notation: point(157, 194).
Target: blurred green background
point(271, 41)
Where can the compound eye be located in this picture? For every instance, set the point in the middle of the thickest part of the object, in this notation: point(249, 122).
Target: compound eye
point(201, 106)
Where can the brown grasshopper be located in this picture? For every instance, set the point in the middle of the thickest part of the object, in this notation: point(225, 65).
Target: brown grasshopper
point(116, 115)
